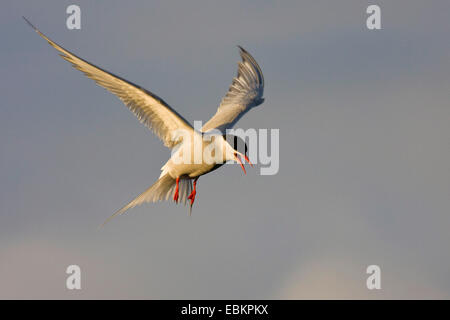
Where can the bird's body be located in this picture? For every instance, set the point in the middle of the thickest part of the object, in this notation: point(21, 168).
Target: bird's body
point(194, 153)
point(183, 161)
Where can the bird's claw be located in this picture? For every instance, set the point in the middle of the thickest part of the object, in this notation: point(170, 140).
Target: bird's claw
point(176, 195)
point(192, 197)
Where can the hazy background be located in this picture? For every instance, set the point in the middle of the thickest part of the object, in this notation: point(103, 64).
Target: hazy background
point(364, 153)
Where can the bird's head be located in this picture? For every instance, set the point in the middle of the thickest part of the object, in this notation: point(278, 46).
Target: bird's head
point(237, 150)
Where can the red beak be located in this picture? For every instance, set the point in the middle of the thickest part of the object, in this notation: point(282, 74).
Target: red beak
point(240, 162)
point(248, 160)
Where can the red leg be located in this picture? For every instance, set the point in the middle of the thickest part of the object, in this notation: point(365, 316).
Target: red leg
point(175, 196)
point(193, 193)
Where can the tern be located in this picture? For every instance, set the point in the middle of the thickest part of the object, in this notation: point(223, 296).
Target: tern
point(178, 179)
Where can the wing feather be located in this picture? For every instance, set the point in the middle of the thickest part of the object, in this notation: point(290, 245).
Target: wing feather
point(151, 110)
point(245, 92)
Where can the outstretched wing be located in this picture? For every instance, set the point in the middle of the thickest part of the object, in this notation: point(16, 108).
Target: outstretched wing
point(245, 92)
point(149, 108)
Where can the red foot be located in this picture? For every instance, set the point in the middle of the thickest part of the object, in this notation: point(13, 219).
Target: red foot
point(193, 193)
point(192, 197)
point(176, 195)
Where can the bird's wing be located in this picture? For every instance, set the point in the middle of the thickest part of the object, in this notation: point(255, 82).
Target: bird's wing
point(149, 108)
point(245, 92)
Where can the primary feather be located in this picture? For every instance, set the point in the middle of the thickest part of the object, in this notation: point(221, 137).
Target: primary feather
point(245, 92)
point(151, 110)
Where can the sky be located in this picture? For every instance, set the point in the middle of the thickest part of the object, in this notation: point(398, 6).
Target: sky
point(364, 175)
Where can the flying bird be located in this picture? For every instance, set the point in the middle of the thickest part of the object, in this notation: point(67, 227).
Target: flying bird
point(178, 179)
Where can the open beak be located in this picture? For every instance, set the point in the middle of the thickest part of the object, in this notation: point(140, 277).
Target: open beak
point(248, 160)
point(240, 162)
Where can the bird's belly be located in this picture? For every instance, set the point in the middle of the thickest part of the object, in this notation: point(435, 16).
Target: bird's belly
point(191, 170)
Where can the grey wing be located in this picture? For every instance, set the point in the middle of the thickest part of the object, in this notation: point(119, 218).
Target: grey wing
point(149, 108)
point(245, 92)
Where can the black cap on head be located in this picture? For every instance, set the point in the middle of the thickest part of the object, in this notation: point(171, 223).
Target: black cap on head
point(237, 143)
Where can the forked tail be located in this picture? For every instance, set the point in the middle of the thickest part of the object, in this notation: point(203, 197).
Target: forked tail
point(161, 190)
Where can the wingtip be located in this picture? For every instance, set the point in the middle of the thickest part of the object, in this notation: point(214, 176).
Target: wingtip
point(117, 213)
point(244, 53)
point(29, 23)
